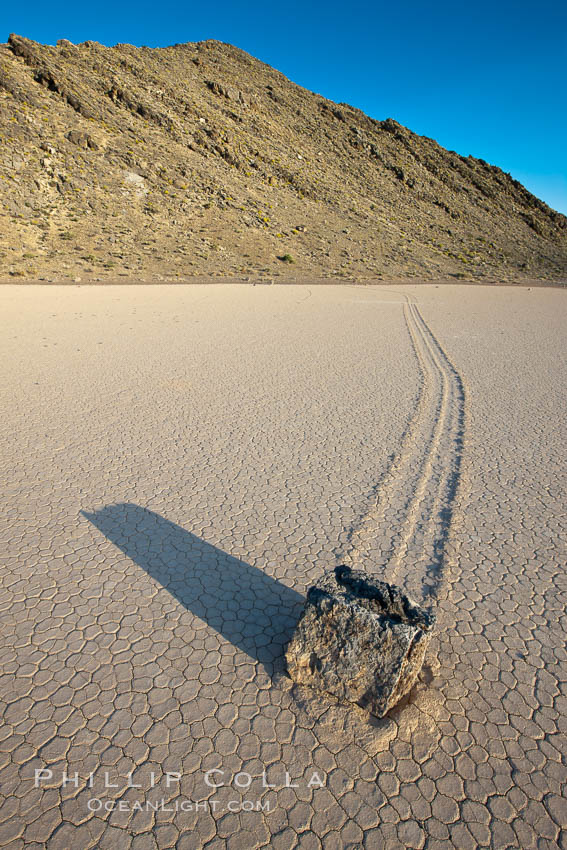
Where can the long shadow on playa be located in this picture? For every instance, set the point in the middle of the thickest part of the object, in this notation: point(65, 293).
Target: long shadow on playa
point(251, 610)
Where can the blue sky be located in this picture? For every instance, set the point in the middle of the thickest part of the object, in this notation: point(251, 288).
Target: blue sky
point(487, 79)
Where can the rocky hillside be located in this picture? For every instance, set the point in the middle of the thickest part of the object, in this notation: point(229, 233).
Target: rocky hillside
point(123, 162)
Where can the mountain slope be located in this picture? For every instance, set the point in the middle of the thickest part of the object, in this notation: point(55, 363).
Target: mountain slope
point(198, 159)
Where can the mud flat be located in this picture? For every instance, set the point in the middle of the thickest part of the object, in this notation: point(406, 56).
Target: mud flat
point(180, 463)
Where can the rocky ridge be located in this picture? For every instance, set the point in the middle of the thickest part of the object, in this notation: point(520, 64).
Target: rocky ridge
point(197, 159)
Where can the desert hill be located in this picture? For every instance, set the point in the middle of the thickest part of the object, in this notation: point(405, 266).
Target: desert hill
point(124, 162)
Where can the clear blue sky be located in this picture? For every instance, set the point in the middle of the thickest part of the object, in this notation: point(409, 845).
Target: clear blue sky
point(485, 78)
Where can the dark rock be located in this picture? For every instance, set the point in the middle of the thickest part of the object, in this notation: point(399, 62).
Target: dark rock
point(532, 222)
point(122, 98)
point(228, 92)
point(359, 638)
point(22, 47)
point(82, 140)
point(45, 78)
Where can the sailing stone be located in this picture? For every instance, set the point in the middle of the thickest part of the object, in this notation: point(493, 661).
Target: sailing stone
point(360, 639)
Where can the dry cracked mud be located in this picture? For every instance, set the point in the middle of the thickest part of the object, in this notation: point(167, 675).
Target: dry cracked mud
point(180, 464)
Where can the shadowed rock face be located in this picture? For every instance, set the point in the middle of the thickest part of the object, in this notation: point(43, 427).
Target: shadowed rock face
point(199, 159)
point(361, 639)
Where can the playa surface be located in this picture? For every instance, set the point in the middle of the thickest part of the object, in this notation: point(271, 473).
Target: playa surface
point(179, 464)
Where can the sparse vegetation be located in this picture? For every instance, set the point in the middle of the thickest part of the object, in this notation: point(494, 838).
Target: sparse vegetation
point(147, 168)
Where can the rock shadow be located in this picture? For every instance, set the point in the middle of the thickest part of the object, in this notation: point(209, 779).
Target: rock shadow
point(250, 609)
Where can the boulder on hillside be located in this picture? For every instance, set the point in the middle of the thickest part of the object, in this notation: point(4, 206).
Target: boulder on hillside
point(82, 140)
